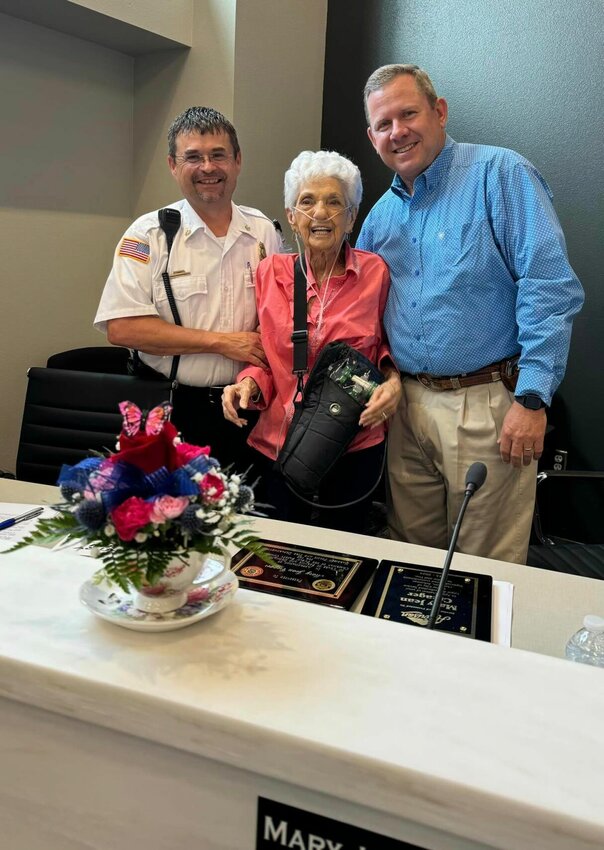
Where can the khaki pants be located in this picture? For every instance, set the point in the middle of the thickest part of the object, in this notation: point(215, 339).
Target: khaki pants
point(433, 438)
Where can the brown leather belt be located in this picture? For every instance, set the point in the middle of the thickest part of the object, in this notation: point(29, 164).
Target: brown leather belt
point(505, 370)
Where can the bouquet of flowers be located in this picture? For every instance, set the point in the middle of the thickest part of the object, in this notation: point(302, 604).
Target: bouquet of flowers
point(152, 499)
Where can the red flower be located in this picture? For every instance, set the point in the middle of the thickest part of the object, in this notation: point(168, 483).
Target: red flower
point(148, 452)
point(130, 517)
point(212, 487)
point(185, 452)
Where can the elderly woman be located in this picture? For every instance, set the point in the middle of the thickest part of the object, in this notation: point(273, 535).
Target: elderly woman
point(346, 296)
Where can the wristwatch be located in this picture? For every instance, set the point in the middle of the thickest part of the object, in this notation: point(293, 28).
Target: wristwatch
point(530, 401)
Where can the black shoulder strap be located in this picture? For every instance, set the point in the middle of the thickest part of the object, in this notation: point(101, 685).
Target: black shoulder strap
point(169, 221)
point(300, 333)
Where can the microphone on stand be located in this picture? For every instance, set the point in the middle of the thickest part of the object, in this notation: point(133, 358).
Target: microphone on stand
point(475, 478)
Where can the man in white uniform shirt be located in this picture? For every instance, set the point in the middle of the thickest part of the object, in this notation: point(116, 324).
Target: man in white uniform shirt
point(212, 268)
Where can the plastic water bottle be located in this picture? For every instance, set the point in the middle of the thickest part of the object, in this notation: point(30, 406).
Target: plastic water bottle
point(587, 645)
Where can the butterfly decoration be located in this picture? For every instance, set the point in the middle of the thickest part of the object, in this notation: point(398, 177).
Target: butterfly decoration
point(151, 421)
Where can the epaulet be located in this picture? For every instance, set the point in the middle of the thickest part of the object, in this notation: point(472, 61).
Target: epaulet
point(143, 225)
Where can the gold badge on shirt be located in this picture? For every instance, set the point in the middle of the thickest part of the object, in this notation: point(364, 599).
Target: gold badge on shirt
point(261, 251)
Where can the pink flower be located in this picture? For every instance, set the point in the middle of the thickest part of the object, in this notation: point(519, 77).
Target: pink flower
point(212, 487)
point(198, 594)
point(167, 507)
point(185, 452)
point(174, 570)
point(130, 517)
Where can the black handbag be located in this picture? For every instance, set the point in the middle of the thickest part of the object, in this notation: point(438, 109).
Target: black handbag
point(326, 415)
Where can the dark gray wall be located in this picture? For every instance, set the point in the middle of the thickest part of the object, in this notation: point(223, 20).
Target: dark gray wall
point(523, 75)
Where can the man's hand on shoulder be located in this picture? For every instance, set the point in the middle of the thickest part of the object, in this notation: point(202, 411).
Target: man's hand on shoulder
point(522, 435)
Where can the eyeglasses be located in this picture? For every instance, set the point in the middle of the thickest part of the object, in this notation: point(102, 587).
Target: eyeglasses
point(216, 158)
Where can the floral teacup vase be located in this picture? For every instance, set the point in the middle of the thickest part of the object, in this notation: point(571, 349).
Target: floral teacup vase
point(172, 589)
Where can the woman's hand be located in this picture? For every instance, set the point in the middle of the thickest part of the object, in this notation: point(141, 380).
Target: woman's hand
point(237, 396)
point(383, 402)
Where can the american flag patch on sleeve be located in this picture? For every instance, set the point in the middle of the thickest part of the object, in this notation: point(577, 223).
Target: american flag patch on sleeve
point(135, 249)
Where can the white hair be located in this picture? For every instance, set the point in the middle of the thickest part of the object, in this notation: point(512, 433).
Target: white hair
point(314, 165)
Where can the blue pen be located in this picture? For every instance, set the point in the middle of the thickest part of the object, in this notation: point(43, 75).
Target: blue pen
point(7, 523)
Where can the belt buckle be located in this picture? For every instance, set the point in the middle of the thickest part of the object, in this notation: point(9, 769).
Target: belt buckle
point(510, 367)
point(425, 380)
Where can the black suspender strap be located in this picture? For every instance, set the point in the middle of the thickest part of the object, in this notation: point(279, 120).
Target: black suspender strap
point(169, 221)
point(300, 333)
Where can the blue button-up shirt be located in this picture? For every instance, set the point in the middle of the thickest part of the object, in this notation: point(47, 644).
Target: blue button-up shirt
point(479, 268)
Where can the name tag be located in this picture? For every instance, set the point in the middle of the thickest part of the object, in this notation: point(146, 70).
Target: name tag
point(281, 826)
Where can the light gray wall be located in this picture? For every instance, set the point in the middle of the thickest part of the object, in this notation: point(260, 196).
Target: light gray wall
point(133, 27)
point(84, 142)
point(277, 93)
point(149, 15)
point(67, 125)
point(67, 122)
point(258, 61)
point(524, 75)
point(168, 82)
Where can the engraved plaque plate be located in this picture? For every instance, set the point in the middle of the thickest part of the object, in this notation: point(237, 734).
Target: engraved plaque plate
point(315, 575)
point(405, 592)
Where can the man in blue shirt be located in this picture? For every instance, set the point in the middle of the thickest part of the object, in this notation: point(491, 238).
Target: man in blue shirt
point(478, 317)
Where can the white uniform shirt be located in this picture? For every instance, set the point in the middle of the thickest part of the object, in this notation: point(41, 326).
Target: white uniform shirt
point(213, 281)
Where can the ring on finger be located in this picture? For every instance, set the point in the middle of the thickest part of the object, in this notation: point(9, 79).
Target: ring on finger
point(384, 416)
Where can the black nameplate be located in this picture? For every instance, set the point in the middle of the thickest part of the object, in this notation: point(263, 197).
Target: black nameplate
point(281, 826)
point(405, 592)
point(329, 578)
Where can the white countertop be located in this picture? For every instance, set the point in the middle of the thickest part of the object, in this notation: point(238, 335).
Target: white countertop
point(497, 745)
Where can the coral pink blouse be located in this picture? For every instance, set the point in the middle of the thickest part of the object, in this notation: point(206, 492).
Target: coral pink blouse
point(347, 308)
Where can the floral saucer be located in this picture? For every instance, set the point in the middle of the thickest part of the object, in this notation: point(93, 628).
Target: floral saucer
point(110, 603)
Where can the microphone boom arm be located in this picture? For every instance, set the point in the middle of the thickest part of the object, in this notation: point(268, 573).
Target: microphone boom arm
point(445, 571)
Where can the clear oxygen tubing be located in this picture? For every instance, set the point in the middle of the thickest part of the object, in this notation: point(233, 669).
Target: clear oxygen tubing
point(323, 298)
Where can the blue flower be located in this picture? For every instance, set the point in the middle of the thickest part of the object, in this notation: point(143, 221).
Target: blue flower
point(90, 514)
point(190, 522)
point(244, 500)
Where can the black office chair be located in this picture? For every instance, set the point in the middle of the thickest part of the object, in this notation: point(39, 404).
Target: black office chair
point(110, 359)
point(560, 510)
point(68, 414)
